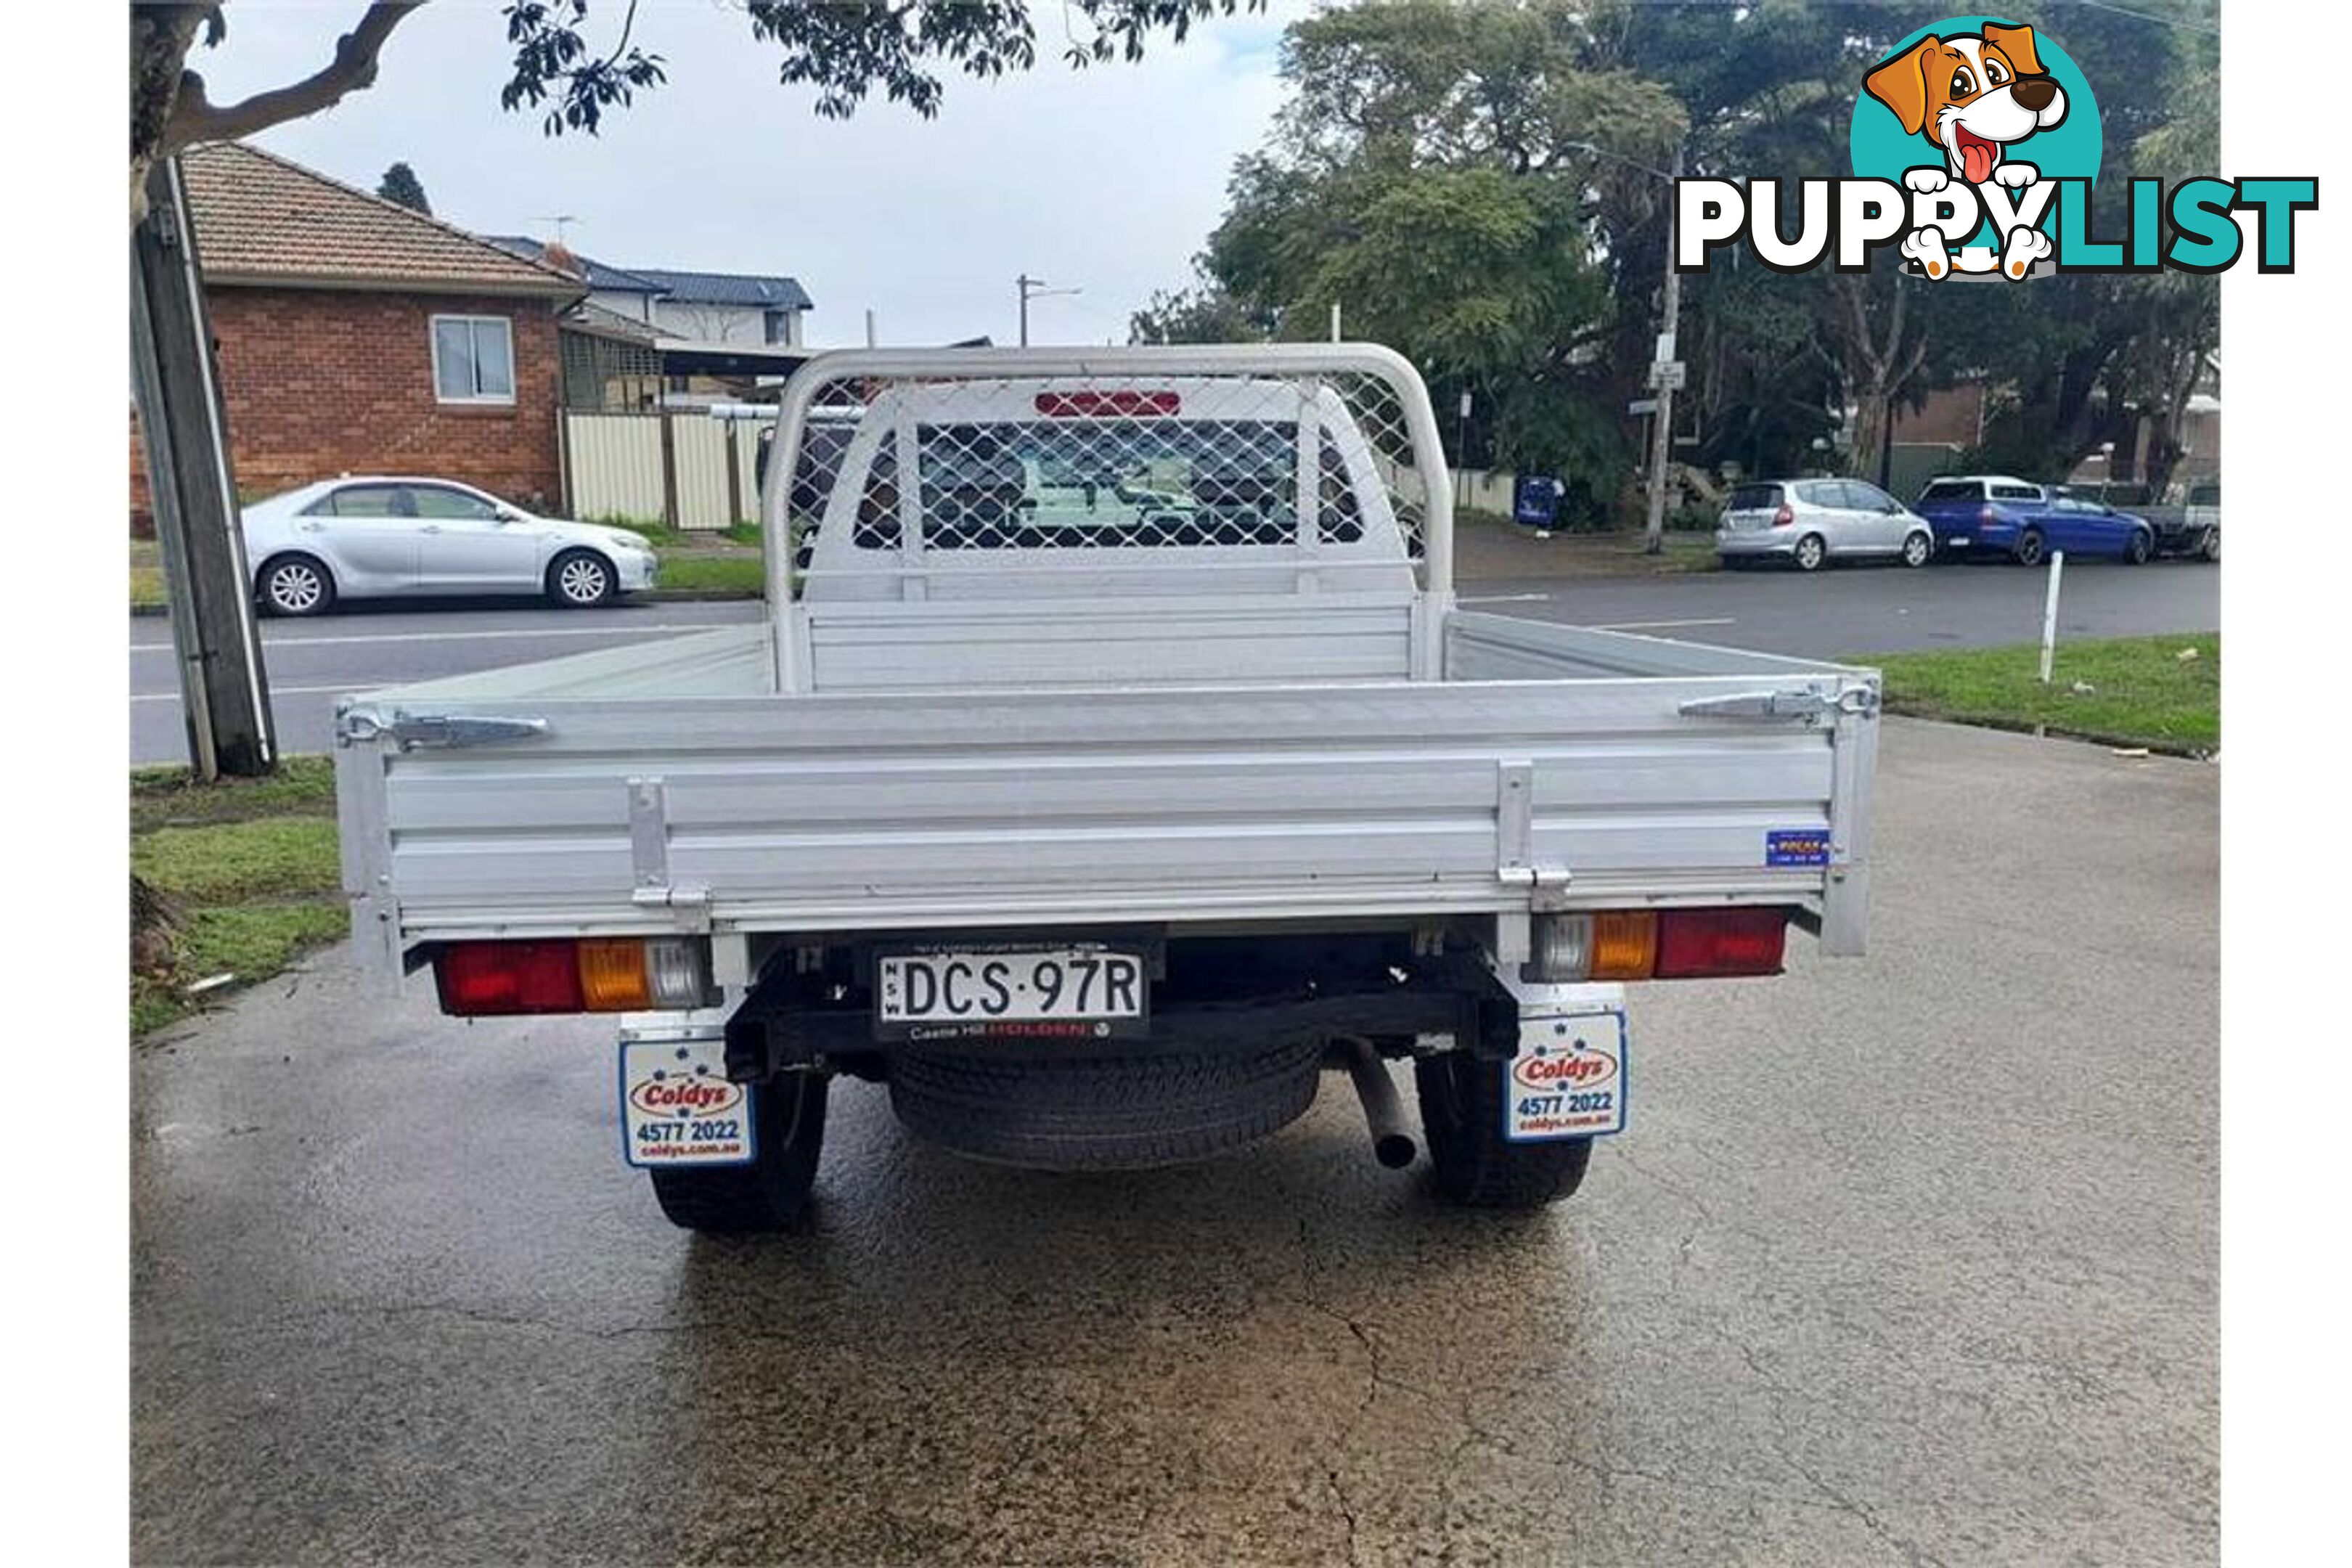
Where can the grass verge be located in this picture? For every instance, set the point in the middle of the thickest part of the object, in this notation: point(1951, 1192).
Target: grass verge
point(733, 573)
point(146, 574)
point(247, 872)
point(2123, 691)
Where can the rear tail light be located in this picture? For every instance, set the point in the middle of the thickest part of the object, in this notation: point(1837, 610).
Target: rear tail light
point(1563, 949)
point(1785, 516)
point(1694, 943)
point(1657, 944)
point(618, 974)
point(1624, 944)
point(1984, 517)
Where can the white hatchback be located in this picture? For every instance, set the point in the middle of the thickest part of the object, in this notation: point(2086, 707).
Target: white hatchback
point(374, 536)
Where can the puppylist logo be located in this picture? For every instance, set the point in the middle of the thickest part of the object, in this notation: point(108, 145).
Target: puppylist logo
point(1975, 145)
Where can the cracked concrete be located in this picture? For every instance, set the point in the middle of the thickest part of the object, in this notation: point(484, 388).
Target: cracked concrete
point(1910, 1261)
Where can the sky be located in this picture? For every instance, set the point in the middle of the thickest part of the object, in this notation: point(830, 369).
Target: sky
point(1107, 179)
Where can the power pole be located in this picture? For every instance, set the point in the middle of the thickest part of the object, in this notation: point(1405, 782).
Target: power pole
point(224, 690)
point(1035, 289)
point(1665, 375)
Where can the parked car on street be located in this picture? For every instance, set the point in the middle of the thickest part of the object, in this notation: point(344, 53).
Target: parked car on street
point(2200, 532)
point(1810, 522)
point(1995, 514)
point(374, 536)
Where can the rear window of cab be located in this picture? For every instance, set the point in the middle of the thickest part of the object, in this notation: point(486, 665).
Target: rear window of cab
point(1953, 490)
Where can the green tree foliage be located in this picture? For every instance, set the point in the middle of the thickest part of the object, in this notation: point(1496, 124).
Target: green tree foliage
point(574, 68)
point(1480, 184)
point(401, 184)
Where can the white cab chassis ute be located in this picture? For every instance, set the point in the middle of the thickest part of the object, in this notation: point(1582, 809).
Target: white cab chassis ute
point(1113, 761)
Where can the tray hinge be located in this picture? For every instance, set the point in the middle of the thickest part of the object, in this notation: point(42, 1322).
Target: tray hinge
point(651, 887)
point(1514, 862)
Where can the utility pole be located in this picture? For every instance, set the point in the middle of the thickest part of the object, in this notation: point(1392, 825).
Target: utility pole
point(1665, 375)
point(224, 692)
point(1035, 289)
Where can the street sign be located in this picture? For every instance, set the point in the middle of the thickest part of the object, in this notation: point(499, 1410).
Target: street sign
point(1643, 405)
point(1669, 372)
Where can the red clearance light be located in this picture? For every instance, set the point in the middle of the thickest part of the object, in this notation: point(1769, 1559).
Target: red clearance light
point(487, 978)
point(1698, 943)
point(1093, 405)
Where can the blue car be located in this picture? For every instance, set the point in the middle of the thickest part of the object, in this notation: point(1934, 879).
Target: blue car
point(1993, 514)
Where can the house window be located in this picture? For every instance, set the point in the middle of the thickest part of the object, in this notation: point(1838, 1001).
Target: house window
point(473, 358)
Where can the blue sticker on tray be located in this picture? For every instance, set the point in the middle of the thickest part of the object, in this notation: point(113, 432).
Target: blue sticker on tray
point(1796, 846)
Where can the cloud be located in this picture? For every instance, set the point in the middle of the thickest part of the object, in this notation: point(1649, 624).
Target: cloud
point(1107, 179)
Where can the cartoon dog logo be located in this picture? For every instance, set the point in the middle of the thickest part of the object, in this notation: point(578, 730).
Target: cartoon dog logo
point(1973, 96)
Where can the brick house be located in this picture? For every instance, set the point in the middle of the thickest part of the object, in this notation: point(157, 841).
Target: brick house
point(354, 336)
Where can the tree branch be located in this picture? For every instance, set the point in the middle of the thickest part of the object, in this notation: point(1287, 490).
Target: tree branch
point(196, 118)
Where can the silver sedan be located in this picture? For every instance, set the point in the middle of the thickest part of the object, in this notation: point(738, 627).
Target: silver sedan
point(376, 536)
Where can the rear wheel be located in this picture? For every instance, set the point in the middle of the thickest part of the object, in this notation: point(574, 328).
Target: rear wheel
point(1917, 549)
point(2141, 547)
point(1811, 551)
point(2209, 545)
point(771, 1192)
point(2029, 547)
point(1461, 1117)
point(1106, 1113)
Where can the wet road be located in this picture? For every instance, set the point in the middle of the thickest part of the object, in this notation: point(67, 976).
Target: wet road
point(1904, 1260)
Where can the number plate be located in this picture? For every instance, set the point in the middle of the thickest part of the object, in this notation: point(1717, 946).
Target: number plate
point(677, 1106)
point(1567, 1079)
point(1082, 990)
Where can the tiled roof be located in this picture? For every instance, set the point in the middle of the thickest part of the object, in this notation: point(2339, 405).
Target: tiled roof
point(591, 318)
point(261, 219)
point(727, 288)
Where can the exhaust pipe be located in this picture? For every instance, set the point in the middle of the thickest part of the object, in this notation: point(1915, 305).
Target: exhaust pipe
point(1392, 1145)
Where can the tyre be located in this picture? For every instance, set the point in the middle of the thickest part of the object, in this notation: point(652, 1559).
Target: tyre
point(2141, 547)
point(1811, 551)
point(771, 1192)
point(294, 586)
point(580, 580)
point(1111, 1113)
point(1462, 1118)
point(1918, 549)
point(2029, 547)
point(2208, 544)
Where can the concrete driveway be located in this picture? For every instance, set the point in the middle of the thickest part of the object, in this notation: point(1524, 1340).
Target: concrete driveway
point(1906, 1260)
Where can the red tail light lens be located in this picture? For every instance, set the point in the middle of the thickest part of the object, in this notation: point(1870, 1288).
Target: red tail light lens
point(1785, 516)
point(1698, 943)
point(491, 977)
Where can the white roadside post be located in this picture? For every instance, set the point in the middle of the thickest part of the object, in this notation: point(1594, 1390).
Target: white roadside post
point(2050, 612)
